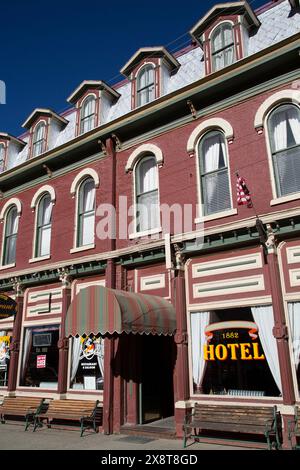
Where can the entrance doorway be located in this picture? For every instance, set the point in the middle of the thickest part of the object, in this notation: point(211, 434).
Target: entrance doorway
point(156, 392)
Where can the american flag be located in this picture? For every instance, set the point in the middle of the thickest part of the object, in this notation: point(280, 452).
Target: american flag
point(243, 193)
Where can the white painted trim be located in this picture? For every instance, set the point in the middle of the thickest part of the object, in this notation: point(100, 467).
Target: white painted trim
point(221, 304)
point(44, 189)
point(233, 264)
point(292, 252)
point(152, 231)
point(86, 172)
point(41, 258)
point(142, 150)
point(294, 276)
point(281, 97)
point(33, 296)
point(283, 199)
point(82, 248)
point(83, 285)
point(229, 286)
point(217, 215)
point(158, 279)
point(11, 202)
point(7, 266)
point(205, 126)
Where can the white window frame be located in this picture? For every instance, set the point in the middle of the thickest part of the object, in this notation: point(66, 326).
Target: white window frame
point(4, 245)
point(213, 53)
point(41, 142)
point(89, 118)
point(147, 87)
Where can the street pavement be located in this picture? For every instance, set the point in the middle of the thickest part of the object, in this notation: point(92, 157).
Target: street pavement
point(13, 437)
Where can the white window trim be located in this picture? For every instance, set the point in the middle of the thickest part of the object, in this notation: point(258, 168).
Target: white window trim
point(140, 69)
point(281, 97)
point(80, 107)
point(45, 124)
point(218, 125)
point(140, 151)
point(151, 231)
point(289, 197)
point(82, 248)
point(234, 43)
point(36, 200)
point(44, 189)
point(3, 219)
point(85, 173)
point(204, 127)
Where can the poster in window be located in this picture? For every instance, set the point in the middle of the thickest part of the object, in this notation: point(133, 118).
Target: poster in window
point(4, 352)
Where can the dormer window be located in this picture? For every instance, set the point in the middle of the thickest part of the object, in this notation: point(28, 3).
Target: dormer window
point(145, 85)
point(87, 116)
point(39, 139)
point(222, 41)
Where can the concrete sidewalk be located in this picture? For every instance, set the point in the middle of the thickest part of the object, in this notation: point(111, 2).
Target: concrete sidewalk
point(13, 437)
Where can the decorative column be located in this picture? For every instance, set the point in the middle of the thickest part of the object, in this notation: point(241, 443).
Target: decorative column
point(109, 352)
point(15, 344)
point(280, 331)
point(63, 342)
point(181, 372)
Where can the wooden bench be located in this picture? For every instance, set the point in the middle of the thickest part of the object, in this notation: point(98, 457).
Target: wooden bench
point(84, 411)
point(294, 429)
point(238, 419)
point(27, 407)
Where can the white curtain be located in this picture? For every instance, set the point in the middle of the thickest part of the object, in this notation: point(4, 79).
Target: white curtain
point(212, 147)
point(27, 342)
point(145, 88)
point(294, 317)
point(100, 356)
point(294, 121)
point(199, 321)
point(147, 189)
point(263, 317)
point(279, 130)
point(46, 228)
point(76, 350)
point(88, 217)
point(88, 114)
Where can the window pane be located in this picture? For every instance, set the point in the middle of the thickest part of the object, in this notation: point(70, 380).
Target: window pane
point(88, 228)
point(45, 240)
point(287, 169)
point(222, 366)
point(39, 366)
point(10, 249)
point(294, 326)
point(147, 175)
point(213, 152)
point(87, 363)
point(216, 194)
point(148, 211)
point(5, 339)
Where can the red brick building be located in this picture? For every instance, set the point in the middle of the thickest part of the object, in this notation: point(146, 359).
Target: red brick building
point(174, 133)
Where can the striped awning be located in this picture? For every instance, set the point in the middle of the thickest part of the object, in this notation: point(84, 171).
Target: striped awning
point(97, 309)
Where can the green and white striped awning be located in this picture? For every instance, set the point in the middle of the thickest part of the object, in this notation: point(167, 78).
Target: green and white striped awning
point(97, 309)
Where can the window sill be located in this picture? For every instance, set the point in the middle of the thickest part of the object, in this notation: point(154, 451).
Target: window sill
point(40, 258)
point(152, 231)
point(7, 266)
point(82, 248)
point(217, 215)
point(283, 199)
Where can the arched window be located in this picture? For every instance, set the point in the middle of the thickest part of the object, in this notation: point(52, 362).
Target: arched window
point(10, 236)
point(2, 154)
point(215, 191)
point(145, 86)
point(284, 135)
point(86, 213)
point(222, 47)
point(87, 116)
point(147, 210)
point(43, 226)
point(39, 139)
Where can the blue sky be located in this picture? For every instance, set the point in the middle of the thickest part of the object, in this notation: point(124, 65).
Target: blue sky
point(48, 48)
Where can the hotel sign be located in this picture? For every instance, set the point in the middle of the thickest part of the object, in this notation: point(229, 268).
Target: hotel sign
point(230, 342)
point(8, 307)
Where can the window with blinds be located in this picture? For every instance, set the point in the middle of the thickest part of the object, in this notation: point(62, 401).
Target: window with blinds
point(284, 135)
point(147, 203)
point(43, 230)
point(214, 177)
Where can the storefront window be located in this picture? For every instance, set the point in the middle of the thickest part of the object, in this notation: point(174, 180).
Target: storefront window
point(5, 339)
point(39, 367)
point(87, 363)
point(294, 320)
point(234, 352)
